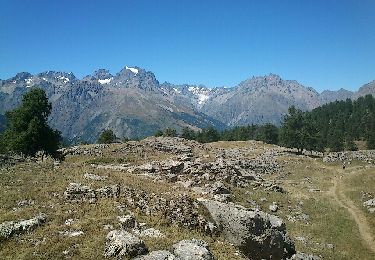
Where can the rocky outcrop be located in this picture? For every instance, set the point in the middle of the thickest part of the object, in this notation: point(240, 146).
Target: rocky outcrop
point(10, 228)
point(76, 192)
point(257, 234)
point(120, 244)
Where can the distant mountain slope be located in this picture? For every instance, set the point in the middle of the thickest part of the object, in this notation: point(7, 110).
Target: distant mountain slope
point(260, 100)
point(134, 104)
point(328, 96)
point(131, 103)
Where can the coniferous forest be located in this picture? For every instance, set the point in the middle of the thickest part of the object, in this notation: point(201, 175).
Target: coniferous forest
point(334, 127)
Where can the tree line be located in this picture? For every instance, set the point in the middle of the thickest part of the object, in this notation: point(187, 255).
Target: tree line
point(334, 127)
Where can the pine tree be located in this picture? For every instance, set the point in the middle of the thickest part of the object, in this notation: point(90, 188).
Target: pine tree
point(28, 131)
point(188, 133)
point(170, 132)
point(291, 131)
point(107, 137)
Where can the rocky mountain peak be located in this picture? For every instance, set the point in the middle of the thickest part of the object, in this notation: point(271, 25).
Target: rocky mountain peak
point(22, 76)
point(136, 77)
point(57, 76)
point(101, 76)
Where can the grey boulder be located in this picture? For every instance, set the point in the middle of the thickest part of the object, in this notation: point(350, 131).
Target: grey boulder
point(121, 243)
point(258, 235)
point(192, 250)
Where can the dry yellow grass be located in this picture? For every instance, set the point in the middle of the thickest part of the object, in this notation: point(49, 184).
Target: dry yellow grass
point(329, 223)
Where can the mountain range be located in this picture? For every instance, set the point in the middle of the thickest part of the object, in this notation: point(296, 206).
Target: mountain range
point(134, 104)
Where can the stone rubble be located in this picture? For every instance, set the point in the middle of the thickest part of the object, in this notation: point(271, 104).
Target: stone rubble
point(367, 156)
point(370, 205)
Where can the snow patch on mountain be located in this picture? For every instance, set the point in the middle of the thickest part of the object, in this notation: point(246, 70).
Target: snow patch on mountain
point(202, 94)
point(65, 79)
point(134, 70)
point(105, 81)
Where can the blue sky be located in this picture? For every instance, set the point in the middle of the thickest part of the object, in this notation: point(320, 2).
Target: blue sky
point(321, 44)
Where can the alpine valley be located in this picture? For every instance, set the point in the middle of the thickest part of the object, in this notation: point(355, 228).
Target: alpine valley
point(134, 104)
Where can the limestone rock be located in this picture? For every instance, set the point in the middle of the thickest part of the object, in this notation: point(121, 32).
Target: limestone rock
point(157, 255)
point(78, 193)
point(257, 234)
point(10, 228)
point(192, 250)
point(127, 221)
point(303, 256)
point(112, 191)
point(121, 243)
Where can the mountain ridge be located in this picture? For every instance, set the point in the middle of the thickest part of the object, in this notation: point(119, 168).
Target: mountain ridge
point(135, 104)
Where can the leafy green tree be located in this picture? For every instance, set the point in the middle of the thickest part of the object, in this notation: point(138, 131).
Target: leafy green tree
point(170, 132)
point(28, 131)
point(107, 137)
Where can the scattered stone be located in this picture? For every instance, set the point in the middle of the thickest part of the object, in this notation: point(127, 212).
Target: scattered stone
point(157, 255)
point(192, 250)
point(219, 188)
point(25, 203)
point(121, 243)
point(71, 233)
point(94, 177)
point(69, 222)
point(77, 192)
point(367, 156)
point(370, 205)
point(10, 228)
point(127, 221)
point(108, 226)
point(257, 234)
point(303, 256)
point(149, 232)
point(273, 207)
point(112, 191)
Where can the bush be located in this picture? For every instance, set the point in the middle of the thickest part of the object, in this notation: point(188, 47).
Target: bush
point(107, 137)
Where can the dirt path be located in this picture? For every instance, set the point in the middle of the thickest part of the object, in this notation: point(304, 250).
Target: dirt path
point(337, 191)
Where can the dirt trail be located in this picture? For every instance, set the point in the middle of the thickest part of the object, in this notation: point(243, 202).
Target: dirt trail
point(337, 191)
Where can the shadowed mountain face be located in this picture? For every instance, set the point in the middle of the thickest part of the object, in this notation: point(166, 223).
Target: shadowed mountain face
point(134, 104)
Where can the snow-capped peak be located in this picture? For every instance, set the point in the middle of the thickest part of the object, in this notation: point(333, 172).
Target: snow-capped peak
point(105, 81)
point(134, 70)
